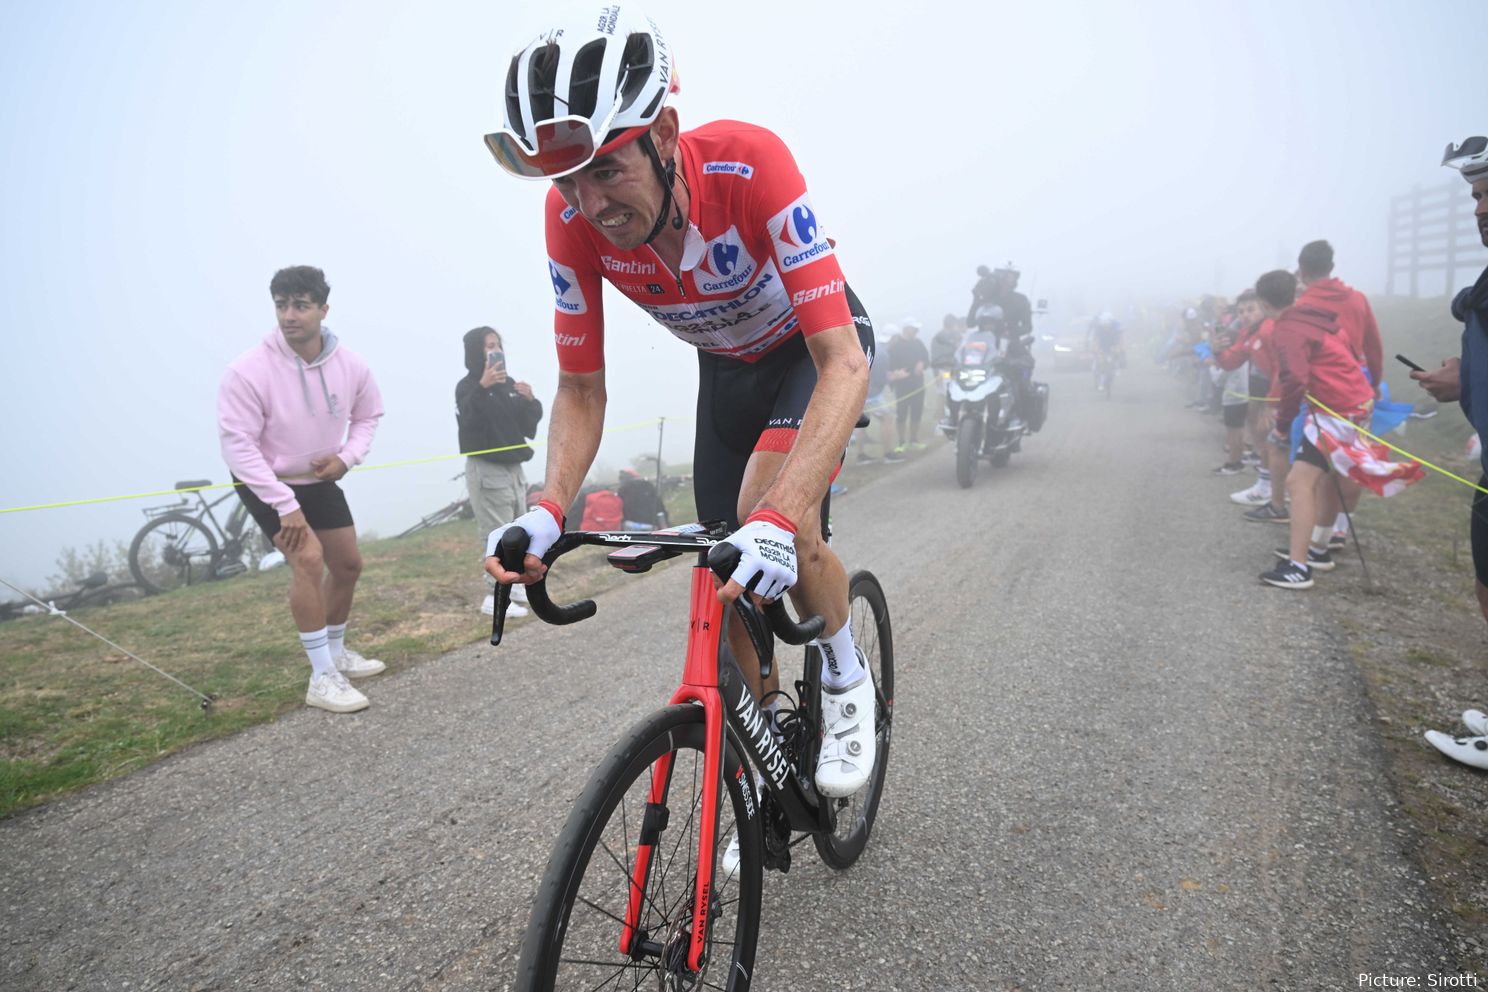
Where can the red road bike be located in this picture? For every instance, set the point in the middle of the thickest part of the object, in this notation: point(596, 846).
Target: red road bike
point(635, 895)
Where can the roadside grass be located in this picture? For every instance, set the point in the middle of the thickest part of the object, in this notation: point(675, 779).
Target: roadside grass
point(1416, 632)
point(74, 712)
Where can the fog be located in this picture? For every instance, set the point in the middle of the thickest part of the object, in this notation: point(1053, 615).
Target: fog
point(161, 160)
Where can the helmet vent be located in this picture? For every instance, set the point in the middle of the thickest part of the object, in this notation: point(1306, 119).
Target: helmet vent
point(583, 82)
point(542, 73)
point(636, 64)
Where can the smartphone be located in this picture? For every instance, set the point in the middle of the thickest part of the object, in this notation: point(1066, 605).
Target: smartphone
point(495, 358)
point(1406, 361)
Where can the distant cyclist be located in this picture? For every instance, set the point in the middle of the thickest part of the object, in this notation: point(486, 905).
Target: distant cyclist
point(1105, 337)
point(713, 234)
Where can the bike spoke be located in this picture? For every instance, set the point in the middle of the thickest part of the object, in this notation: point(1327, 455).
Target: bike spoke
point(630, 881)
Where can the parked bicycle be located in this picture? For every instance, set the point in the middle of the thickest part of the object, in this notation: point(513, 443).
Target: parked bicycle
point(460, 509)
point(179, 548)
point(95, 590)
point(634, 896)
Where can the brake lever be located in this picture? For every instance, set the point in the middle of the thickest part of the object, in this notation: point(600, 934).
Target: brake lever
point(511, 551)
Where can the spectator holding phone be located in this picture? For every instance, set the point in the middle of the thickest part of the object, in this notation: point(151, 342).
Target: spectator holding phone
point(497, 415)
point(1465, 379)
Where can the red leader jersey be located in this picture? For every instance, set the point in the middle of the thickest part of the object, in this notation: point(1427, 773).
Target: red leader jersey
point(756, 265)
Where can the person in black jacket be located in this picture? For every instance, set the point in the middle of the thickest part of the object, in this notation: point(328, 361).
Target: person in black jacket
point(494, 411)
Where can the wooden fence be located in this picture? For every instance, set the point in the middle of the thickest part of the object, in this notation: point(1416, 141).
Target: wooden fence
point(1431, 231)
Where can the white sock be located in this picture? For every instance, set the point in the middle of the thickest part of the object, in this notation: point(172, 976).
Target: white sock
point(318, 651)
point(840, 664)
point(1341, 524)
point(1265, 476)
point(1320, 536)
point(1299, 564)
point(336, 638)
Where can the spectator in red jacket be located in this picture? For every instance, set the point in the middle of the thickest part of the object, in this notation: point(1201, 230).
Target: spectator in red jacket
point(1355, 318)
point(1316, 360)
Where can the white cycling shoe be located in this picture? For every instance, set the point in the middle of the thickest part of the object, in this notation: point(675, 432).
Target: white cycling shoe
point(1468, 750)
point(849, 744)
point(1477, 722)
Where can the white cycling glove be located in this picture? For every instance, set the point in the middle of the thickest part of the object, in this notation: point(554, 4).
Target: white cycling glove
point(767, 545)
point(543, 523)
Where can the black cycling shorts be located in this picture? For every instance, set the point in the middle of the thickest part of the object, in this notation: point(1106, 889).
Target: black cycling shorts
point(1479, 532)
point(745, 407)
point(323, 503)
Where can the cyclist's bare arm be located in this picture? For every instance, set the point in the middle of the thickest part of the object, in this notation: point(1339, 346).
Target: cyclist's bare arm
point(574, 433)
point(841, 387)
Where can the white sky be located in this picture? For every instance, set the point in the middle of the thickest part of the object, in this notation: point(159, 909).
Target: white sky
point(161, 160)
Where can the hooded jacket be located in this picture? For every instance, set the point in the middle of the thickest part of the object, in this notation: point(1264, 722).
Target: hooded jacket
point(1471, 307)
point(276, 413)
point(1355, 318)
point(1315, 357)
point(498, 417)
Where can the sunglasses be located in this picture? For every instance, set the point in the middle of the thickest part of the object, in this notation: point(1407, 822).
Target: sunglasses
point(559, 145)
point(1475, 145)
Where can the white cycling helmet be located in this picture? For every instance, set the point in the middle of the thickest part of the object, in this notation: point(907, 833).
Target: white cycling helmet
point(1106, 318)
point(989, 311)
point(1469, 158)
point(582, 90)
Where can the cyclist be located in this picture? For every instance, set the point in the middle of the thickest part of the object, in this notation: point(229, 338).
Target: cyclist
point(713, 234)
point(1104, 338)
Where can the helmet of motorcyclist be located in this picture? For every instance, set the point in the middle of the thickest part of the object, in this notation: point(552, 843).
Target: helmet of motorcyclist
point(581, 90)
point(989, 317)
point(983, 271)
point(1469, 158)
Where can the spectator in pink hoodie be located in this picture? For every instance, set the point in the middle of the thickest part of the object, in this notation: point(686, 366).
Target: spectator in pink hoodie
point(295, 414)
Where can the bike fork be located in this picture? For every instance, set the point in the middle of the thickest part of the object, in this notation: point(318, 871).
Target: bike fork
point(699, 685)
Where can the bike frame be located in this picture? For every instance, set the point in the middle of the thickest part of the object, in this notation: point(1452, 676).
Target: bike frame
point(712, 679)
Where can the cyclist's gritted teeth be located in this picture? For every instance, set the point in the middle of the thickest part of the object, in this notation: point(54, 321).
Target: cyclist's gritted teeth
point(616, 221)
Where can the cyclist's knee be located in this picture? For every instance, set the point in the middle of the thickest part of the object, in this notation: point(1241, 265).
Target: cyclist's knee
point(309, 557)
point(346, 569)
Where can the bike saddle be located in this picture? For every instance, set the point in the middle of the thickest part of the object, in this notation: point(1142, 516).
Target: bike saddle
point(193, 484)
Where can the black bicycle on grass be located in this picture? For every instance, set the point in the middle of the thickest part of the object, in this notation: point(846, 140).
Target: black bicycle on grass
point(180, 546)
point(633, 896)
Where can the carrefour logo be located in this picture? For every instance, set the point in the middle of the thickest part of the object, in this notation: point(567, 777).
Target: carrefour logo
point(567, 296)
point(726, 264)
point(797, 235)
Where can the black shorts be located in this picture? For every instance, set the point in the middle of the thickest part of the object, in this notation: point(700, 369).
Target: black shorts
point(1235, 413)
point(1479, 532)
point(744, 407)
point(323, 503)
point(1308, 452)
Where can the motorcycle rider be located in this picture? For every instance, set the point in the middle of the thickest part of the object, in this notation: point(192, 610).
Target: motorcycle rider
point(1000, 286)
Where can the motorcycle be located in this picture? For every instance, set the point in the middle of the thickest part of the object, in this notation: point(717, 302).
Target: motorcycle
point(980, 400)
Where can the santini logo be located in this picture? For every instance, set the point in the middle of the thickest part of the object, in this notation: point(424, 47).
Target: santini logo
point(817, 292)
point(741, 169)
point(627, 268)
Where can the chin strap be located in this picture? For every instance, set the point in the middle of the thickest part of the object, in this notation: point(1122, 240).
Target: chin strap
point(668, 175)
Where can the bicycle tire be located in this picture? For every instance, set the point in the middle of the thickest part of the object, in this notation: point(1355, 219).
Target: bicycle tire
point(566, 951)
point(171, 564)
point(874, 636)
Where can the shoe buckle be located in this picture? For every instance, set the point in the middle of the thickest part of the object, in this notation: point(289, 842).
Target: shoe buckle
point(850, 709)
point(854, 748)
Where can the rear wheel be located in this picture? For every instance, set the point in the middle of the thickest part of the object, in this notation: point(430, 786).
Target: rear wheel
point(874, 637)
point(172, 550)
point(574, 936)
point(968, 449)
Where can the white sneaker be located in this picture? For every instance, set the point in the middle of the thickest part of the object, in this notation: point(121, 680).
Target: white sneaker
point(729, 862)
point(332, 692)
point(848, 740)
point(354, 666)
point(1477, 722)
point(514, 609)
point(1254, 496)
point(1468, 750)
point(519, 593)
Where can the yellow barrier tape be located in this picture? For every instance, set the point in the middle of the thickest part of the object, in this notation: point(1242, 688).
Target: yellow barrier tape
point(1399, 451)
point(360, 468)
point(1253, 399)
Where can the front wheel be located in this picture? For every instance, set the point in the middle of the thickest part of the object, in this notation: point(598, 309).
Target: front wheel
point(172, 550)
point(573, 940)
point(872, 634)
point(968, 445)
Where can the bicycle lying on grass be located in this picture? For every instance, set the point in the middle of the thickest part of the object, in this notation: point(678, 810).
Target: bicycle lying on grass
point(95, 590)
point(633, 896)
point(179, 548)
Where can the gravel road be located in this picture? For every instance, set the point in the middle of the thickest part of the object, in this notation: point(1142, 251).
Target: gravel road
point(1119, 763)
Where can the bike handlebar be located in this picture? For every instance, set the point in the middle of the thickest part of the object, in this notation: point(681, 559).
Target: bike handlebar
point(722, 558)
